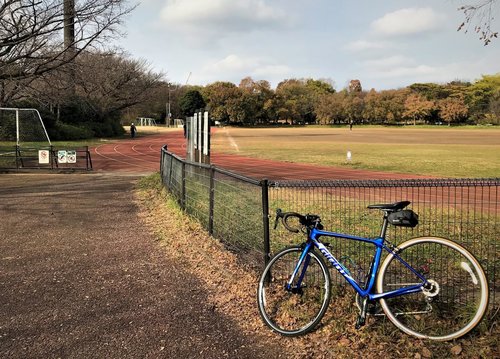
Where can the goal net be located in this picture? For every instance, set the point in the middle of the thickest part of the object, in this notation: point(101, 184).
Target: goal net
point(22, 127)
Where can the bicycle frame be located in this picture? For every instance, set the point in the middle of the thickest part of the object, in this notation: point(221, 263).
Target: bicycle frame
point(379, 243)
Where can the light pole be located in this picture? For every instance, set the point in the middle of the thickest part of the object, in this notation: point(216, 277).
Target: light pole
point(168, 107)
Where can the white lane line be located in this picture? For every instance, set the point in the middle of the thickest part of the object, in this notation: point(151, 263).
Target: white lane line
point(116, 160)
point(231, 140)
point(135, 157)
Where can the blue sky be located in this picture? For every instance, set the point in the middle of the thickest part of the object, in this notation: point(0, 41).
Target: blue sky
point(384, 44)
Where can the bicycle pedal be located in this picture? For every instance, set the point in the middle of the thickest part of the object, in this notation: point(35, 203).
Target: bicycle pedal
point(360, 322)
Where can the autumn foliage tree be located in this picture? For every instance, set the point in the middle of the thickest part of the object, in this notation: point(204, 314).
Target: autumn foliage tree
point(452, 109)
point(417, 108)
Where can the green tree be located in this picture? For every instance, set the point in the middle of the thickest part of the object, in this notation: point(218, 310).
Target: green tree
point(255, 94)
point(191, 101)
point(479, 95)
point(353, 106)
point(296, 100)
point(320, 87)
point(493, 116)
point(430, 91)
point(219, 96)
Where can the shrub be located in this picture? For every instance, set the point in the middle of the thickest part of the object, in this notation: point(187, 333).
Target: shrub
point(65, 132)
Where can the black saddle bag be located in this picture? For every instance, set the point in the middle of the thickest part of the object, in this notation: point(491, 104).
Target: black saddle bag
point(404, 218)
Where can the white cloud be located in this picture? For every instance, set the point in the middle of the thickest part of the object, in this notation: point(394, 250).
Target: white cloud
point(234, 68)
point(362, 45)
point(220, 17)
point(408, 21)
point(397, 66)
point(389, 62)
point(231, 63)
point(266, 71)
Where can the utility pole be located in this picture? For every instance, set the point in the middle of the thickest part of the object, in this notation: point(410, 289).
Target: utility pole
point(167, 120)
point(69, 42)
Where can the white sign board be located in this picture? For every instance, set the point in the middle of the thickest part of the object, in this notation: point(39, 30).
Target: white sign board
point(43, 157)
point(206, 132)
point(62, 156)
point(195, 132)
point(71, 156)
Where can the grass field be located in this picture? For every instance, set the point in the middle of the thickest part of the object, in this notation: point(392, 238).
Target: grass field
point(439, 151)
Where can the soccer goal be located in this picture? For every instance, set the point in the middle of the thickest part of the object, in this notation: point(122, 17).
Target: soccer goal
point(23, 139)
point(146, 121)
point(24, 126)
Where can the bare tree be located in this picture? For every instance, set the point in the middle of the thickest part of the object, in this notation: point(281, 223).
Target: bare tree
point(112, 82)
point(31, 39)
point(480, 15)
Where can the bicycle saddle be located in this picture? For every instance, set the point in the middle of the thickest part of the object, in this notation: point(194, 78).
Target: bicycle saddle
point(393, 207)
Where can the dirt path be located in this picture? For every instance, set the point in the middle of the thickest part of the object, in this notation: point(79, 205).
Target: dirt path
point(81, 277)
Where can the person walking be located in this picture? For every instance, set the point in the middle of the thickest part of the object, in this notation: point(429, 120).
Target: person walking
point(133, 130)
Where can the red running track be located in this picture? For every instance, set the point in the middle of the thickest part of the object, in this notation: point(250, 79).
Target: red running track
point(141, 155)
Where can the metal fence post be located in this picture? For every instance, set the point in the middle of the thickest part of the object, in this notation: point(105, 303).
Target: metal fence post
point(162, 161)
point(211, 202)
point(17, 157)
point(183, 186)
point(265, 219)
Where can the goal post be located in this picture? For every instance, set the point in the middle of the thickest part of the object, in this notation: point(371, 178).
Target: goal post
point(24, 126)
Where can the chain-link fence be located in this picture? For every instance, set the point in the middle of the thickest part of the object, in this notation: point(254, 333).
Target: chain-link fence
point(229, 206)
point(463, 210)
point(237, 209)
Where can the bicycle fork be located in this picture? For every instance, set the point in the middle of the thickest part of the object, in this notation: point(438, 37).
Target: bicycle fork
point(304, 263)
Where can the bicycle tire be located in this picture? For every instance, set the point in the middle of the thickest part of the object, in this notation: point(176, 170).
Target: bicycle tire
point(293, 314)
point(450, 309)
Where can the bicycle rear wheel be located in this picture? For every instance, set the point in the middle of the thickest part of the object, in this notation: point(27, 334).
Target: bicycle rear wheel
point(453, 305)
point(298, 311)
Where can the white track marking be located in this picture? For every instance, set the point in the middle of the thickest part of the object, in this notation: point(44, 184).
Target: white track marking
point(231, 140)
point(114, 159)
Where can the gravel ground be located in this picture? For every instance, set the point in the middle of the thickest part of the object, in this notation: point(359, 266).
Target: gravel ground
point(81, 277)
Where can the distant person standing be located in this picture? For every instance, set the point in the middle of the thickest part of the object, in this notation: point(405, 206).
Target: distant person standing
point(133, 130)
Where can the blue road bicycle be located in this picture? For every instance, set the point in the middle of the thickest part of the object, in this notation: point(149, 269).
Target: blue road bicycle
point(429, 287)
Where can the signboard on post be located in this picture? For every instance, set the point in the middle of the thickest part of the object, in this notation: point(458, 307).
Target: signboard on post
point(71, 156)
point(43, 157)
point(198, 137)
point(206, 135)
point(62, 156)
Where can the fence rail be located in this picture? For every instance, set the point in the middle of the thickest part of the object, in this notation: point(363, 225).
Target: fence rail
point(236, 209)
point(21, 158)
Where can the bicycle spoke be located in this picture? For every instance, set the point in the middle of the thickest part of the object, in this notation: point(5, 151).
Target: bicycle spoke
point(298, 309)
point(454, 299)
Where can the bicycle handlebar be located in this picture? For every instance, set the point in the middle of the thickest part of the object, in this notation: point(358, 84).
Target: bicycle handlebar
point(309, 220)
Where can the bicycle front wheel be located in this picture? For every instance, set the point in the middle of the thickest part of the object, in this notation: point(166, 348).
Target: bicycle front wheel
point(295, 311)
point(455, 299)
